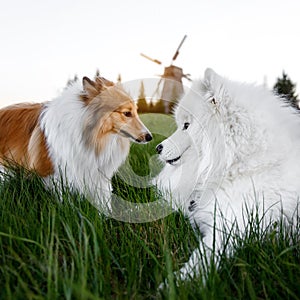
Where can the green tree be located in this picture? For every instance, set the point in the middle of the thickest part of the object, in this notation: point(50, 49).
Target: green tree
point(159, 107)
point(142, 103)
point(287, 89)
point(119, 79)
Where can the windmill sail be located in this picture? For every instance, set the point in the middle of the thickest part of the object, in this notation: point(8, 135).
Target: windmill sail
point(148, 57)
point(177, 51)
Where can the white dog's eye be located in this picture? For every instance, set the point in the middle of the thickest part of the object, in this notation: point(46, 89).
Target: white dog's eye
point(213, 101)
point(186, 125)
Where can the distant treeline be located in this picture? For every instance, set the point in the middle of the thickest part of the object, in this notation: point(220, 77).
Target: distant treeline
point(159, 106)
point(284, 87)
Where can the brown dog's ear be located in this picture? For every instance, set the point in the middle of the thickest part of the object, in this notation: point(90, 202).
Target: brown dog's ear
point(94, 88)
point(102, 83)
point(89, 87)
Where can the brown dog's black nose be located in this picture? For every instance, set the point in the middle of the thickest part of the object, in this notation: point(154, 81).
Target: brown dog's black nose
point(148, 137)
point(159, 148)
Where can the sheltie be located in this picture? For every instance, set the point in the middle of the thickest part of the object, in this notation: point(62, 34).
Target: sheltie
point(82, 136)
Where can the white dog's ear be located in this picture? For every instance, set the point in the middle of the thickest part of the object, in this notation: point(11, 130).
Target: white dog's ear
point(210, 75)
point(212, 80)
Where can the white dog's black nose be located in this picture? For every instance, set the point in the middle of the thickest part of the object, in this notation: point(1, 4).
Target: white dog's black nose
point(159, 148)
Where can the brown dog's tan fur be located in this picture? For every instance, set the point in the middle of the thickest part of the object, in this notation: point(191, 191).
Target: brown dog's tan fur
point(19, 125)
point(109, 110)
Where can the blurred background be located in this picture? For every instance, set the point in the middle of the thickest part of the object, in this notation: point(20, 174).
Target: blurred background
point(46, 43)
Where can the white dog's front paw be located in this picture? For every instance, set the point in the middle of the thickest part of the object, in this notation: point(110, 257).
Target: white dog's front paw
point(178, 276)
point(164, 285)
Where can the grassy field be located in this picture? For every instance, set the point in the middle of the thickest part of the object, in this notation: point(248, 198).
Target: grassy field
point(54, 250)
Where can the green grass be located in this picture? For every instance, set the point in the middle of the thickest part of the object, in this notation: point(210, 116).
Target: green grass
point(67, 250)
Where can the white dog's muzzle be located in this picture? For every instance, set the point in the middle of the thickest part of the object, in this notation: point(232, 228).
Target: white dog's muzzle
point(172, 148)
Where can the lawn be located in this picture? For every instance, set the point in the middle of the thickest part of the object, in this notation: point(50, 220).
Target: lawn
point(67, 250)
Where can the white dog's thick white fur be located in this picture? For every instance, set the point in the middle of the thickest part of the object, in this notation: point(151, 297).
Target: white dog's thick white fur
point(237, 148)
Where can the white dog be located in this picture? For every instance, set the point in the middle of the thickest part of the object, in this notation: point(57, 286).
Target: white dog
point(237, 148)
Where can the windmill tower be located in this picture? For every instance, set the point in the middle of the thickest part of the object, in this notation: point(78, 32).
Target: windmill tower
point(172, 80)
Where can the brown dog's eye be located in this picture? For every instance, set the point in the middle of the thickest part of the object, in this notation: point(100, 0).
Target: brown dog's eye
point(127, 114)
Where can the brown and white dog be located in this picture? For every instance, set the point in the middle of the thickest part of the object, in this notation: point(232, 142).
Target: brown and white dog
point(82, 136)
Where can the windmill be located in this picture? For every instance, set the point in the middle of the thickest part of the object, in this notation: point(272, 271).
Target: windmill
point(172, 79)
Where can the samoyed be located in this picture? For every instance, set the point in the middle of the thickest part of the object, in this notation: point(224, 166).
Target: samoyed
point(236, 149)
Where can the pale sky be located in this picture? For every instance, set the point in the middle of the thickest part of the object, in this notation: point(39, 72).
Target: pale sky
point(46, 42)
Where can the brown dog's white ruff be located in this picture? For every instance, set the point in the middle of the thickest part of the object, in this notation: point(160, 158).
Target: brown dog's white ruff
point(82, 136)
